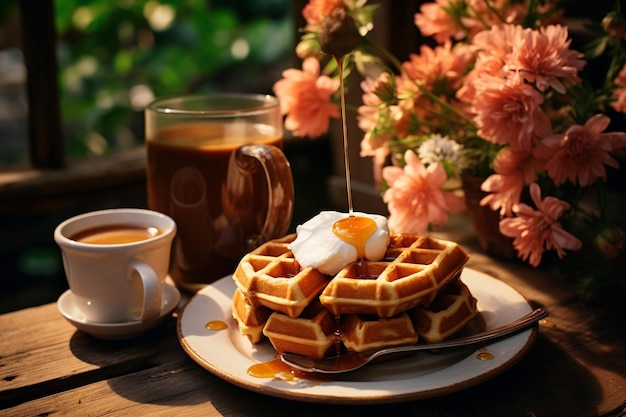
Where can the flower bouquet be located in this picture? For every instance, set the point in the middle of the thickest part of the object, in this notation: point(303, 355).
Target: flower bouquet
point(499, 93)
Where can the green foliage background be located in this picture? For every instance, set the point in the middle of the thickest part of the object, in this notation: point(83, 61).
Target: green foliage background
point(193, 53)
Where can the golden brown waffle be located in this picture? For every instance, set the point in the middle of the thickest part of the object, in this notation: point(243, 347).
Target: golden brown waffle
point(250, 319)
point(414, 269)
point(271, 277)
point(312, 334)
point(317, 333)
point(362, 333)
point(368, 305)
point(448, 313)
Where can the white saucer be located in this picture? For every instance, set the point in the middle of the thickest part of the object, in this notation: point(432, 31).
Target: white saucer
point(116, 331)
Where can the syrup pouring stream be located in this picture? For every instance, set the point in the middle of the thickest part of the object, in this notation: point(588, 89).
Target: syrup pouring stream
point(344, 131)
point(350, 361)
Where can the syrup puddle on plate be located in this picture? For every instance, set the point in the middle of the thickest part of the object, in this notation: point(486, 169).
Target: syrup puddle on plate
point(271, 369)
point(216, 325)
point(277, 370)
point(484, 355)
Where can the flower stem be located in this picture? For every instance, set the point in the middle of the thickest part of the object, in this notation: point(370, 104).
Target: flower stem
point(445, 105)
point(395, 63)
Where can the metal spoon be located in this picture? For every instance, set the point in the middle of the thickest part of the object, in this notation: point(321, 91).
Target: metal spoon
point(350, 361)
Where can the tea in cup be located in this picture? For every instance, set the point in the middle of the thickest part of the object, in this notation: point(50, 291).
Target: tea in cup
point(116, 262)
point(215, 165)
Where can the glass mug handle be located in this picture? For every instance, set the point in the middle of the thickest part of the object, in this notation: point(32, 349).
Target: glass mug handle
point(279, 184)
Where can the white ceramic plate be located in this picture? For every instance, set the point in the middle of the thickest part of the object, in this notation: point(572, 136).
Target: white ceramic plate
point(228, 355)
point(116, 331)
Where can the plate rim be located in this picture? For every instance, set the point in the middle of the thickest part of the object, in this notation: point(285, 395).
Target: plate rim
point(301, 394)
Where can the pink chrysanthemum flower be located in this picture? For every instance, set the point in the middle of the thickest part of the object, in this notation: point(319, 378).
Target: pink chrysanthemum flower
point(377, 121)
point(581, 153)
point(415, 198)
point(441, 67)
point(433, 20)
point(488, 13)
point(374, 117)
point(495, 47)
point(509, 113)
point(514, 170)
point(305, 97)
point(619, 94)
point(440, 70)
point(534, 231)
point(316, 10)
point(543, 57)
point(445, 20)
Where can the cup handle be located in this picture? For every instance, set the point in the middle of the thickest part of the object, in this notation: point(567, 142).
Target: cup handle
point(151, 290)
point(280, 187)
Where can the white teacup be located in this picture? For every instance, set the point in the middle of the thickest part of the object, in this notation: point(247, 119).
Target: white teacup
point(116, 262)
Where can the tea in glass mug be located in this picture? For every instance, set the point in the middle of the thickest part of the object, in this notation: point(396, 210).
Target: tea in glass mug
point(215, 165)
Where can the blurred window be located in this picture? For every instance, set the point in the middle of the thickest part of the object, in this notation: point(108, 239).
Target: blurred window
point(115, 56)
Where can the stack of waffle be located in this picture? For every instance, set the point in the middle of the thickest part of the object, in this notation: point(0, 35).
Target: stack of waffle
point(413, 293)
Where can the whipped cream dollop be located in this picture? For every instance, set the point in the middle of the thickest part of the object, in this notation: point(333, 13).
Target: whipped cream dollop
point(317, 246)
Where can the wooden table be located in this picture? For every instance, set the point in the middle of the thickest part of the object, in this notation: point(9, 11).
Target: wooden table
point(576, 367)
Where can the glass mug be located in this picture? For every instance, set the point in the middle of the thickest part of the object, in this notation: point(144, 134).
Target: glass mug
point(215, 165)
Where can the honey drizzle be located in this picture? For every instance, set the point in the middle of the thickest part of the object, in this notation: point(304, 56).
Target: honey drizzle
point(344, 127)
point(275, 367)
point(355, 230)
point(338, 335)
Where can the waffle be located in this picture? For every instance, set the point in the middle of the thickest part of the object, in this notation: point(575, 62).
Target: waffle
point(271, 277)
point(414, 269)
point(447, 314)
point(362, 333)
point(413, 293)
point(317, 333)
point(312, 334)
point(250, 319)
